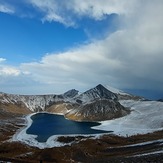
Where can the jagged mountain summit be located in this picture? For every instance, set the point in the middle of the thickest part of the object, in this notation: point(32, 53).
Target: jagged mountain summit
point(95, 104)
point(99, 92)
point(71, 93)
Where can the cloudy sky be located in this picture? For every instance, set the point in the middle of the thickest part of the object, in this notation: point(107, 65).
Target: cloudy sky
point(52, 46)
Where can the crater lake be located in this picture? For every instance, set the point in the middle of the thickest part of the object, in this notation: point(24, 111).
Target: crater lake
point(45, 125)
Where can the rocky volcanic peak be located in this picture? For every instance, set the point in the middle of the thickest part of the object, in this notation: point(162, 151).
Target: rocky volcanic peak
point(102, 92)
point(99, 92)
point(98, 110)
point(71, 93)
point(97, 104)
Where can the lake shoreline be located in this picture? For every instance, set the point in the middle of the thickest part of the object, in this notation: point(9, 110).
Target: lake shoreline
point(51, 142)
point(125, 126)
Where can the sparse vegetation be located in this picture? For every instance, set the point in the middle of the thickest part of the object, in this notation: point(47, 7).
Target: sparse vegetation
point(107, 148)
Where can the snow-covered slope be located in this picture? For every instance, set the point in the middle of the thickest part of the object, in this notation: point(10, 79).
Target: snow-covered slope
point(116, 91)
point(33, 102)
point(123, 95)
point(38, 102)
point(145, 117)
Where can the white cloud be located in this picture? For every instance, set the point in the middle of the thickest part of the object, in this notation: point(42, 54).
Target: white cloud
point(2, 60)
point(130, 58)
point(6, 70)
point(6, 9)
point(65, 11)
point(9, 71)
point(97, 9)
point(50, 9)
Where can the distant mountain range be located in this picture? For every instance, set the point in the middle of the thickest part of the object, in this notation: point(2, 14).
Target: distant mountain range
point(96, 104)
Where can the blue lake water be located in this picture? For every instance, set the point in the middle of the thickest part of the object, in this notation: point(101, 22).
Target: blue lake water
point(45, 125)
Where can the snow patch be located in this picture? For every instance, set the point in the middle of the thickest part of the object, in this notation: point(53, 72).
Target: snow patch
point(145, 117)
point(114, 90)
